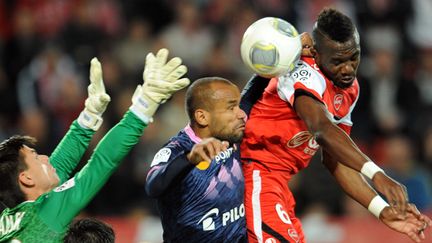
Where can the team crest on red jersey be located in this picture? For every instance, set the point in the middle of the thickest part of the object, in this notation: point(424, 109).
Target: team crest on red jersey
point(293, 234)
point(337, 103)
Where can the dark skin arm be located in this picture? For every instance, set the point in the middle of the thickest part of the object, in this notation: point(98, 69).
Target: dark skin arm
point(357, 188)
point(339, 145)
point(350, 181)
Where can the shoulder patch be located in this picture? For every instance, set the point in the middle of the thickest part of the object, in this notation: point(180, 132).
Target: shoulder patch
point(162, 156)
point(309, 78)
point(68, 184)
point(302, 73)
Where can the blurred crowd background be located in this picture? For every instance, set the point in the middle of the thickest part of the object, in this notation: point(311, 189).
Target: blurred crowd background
point(46, 47)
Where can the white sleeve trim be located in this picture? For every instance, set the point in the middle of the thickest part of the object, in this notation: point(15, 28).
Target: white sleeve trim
point(304, 74)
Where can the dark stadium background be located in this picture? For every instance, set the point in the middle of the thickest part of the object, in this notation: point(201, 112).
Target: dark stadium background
point(46, 46)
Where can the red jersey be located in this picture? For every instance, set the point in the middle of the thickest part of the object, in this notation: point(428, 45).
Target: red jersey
point(276, 136)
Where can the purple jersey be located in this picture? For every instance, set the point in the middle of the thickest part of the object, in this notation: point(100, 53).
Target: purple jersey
point(198, 205)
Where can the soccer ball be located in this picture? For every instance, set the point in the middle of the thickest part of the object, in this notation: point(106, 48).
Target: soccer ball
point(271, 47)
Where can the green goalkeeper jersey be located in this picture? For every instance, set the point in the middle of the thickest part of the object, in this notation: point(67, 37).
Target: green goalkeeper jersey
point(47, 218)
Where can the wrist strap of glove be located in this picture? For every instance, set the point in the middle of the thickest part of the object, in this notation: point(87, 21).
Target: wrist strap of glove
point(144, 108)
point(89, 120)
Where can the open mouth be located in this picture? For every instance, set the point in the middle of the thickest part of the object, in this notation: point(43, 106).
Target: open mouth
point(349, 79)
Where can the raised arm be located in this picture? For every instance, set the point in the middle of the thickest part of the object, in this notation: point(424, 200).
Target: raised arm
point(70, 150)
point(339, 145)
point(67, 200)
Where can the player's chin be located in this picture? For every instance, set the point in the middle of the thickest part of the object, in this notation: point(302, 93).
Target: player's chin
point(237, 136)
point(56, 180)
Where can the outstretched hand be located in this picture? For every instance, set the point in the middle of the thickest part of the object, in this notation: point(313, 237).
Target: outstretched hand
point(413, 223)
point(395, 193)
point(97, 100)
point(161, 80)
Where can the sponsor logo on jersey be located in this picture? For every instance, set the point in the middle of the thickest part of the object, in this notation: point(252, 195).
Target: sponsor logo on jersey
point(226, 218)
point(207, 220)
point(301, 138)
point(10, 223)
point(68, 184)
point(224, 155)
point(233, 215)
point(338, 98)
point(162, 156)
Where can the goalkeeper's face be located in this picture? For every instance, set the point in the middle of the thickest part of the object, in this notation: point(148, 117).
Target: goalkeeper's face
point(39, 174)
point(227, 120)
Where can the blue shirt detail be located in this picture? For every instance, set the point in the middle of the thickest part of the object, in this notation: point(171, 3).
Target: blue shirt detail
point(198, 205)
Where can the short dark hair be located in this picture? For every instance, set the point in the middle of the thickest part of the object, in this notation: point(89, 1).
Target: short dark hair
point(334, 25)
point(199, 93)
point(89, 230)
point(11, 164)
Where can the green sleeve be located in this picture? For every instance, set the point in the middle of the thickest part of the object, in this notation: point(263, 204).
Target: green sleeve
point(70, 150)
point(66, 201)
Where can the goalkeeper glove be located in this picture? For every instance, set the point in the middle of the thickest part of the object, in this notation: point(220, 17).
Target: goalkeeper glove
point(161, 81)
point(97, 101)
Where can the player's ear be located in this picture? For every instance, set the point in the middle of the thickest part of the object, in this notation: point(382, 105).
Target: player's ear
point(314, 53)
point(202, 117)
point(26, 179)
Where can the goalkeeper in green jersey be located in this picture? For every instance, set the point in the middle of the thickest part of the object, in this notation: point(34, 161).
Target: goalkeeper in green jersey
point(38, 196)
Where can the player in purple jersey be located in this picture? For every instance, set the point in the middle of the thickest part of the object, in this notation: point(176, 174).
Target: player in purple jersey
point(199, 204)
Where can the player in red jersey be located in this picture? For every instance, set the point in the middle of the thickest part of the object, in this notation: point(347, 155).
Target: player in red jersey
point(297, 114)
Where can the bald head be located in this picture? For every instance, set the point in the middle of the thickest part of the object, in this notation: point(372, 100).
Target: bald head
point(201, 94)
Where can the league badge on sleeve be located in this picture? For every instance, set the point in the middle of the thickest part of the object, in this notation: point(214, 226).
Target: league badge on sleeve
point(68, 184)
point(162, 156)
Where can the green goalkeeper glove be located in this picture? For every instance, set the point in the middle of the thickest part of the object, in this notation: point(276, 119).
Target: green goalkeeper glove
point(97, 101)
point(161, 80)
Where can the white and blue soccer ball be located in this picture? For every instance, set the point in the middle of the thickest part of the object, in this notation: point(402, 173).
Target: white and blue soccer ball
point(271, 47)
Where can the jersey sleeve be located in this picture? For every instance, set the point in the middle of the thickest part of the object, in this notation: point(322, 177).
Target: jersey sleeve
point(63, 203)
point(252, 91)
point(70, 150)
point(303, 80)
point(167, 167)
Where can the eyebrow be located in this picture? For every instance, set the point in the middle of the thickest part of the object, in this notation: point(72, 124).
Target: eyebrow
point(232, 102)
point(339, 58)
